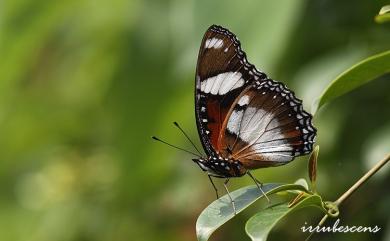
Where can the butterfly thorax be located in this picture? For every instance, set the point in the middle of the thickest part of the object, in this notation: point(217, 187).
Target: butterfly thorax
point(221, 167)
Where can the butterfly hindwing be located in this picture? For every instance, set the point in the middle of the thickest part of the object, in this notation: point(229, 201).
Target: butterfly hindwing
point(222, 74)
point(266, 126)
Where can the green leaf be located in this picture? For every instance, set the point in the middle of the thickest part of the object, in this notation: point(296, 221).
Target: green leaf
point(220, 211)
point(259, 226)
point(357, 75)
point(302, 182)
point(383, 15)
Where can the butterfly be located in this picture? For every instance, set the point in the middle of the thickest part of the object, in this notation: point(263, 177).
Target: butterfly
point(245, 120)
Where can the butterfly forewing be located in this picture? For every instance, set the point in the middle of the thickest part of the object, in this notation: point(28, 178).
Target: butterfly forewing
point(266, 126)
point(222, 74)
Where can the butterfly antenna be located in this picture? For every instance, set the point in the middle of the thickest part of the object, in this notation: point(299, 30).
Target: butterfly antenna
point(179, 148)
point(188, 138)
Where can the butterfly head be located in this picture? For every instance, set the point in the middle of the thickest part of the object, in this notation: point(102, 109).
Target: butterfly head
point(221, 167)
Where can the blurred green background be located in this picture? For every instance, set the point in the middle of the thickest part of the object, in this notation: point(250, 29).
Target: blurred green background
point(84, 84)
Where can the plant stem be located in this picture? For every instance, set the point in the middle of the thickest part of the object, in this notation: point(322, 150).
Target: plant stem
point(362, 180)
point(354, 187)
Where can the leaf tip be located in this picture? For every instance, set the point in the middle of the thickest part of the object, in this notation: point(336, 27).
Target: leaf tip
point(383, 15)
point(313, 167)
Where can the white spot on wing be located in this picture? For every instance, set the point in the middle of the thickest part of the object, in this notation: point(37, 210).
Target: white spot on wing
point(244, 100)
point(203, 86)
point(209, 84)
point(277, 157)
point(259, 125)
point(233, 124)
point(232, 81)
point(284, 148)
point(222, 83)
point(238, 84)
point(213, 43)
point(251, 123)
point(217, 84)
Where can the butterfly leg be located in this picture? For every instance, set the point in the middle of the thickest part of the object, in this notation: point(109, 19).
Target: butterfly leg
point(230, 197)
point(258, 184)
point(215, 188)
